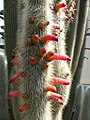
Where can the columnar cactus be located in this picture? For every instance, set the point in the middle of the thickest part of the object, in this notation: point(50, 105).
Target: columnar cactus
point(81, 107)
point(41, 76)
point(78, 52)
point(4, 114)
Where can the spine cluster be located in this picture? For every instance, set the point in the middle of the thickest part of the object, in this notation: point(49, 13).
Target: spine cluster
point(42, 78)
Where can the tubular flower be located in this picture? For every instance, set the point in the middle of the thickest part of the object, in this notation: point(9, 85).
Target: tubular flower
point(17, 75)
point(32, 60)
point(56, 26)
point(42, 51)
point(57, 56)
point(55, 97)
point(50, 88)
point(48, 56)
point(15, 61)
point(55, 80)
point(59, 6)
point(46, 38)
point(35, 39)
point(23, 107)
point(14, 93)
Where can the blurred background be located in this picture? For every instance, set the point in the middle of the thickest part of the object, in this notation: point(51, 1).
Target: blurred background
point(1, 25)
point(85, 75)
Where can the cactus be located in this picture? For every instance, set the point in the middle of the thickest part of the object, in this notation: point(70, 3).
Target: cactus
point(41, 47)
point(78, 53)
point(10, 15)
point(81, 103)
point(41, 78)
point(4, 113)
